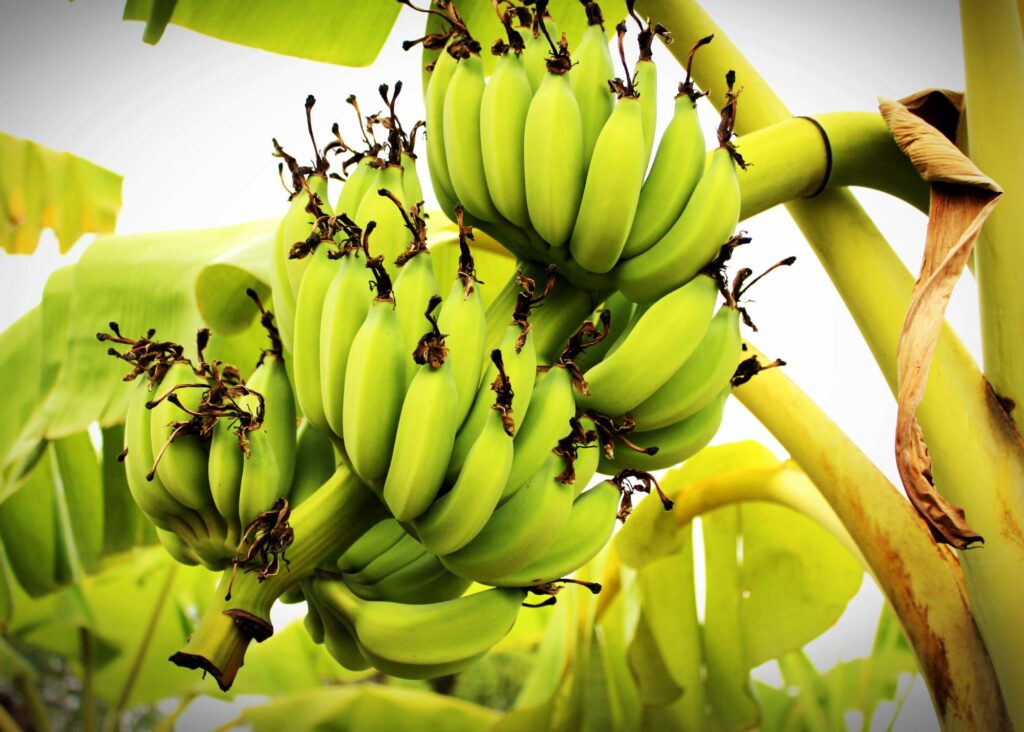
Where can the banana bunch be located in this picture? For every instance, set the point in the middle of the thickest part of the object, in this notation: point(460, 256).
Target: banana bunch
point(207, 453)
point(551, 154)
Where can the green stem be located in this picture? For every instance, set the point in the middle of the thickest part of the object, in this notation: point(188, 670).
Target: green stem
point(981, 468)
point(88, 695)
point(7, 723)
point(325, 525)
point(34, 705)
point(113, 720)
point(994, 66)
point(920, 579)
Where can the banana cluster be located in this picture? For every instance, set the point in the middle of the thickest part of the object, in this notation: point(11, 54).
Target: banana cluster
point(550, 155)
point(207, 452)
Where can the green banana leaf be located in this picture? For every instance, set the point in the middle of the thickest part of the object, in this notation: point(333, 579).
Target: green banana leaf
point(343, 32)
point(42, 188)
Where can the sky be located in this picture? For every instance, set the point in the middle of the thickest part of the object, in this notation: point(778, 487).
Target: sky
point(188, 123)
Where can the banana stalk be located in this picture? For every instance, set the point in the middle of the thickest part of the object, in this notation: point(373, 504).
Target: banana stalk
point(876, 288)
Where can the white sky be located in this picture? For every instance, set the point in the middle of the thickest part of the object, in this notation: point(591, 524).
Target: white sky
point(188, 123)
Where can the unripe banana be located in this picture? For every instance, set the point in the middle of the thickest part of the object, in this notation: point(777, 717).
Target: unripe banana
point(313, 622)
point(520, 530)
point(356, 186)
point(422, 581)
point(536, 51)
point(390, 237)
point(224, 468)
point(415, 286)
point(589, 81)
point(675, 443)
point(345, 308)
point(412, 190)
point(693, 241)
point(663, 338)
point(436, 633)
point(381, 537)
point(585, 534)
point(426, 429)
point(547, 422)
point(503, 109)
point(620, 311)
point(645, 79)
point(455, 518)
point(700, 379)
point(678, 166)
point(437, 161)
point(461, 124)
point(177, 548)
point(554, 165)
point(402, 553)
point(588, 458)
point(339, 640)
point(374, 386)
point(613, 185)
point(314, 463)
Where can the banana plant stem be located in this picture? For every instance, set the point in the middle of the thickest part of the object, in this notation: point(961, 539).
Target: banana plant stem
point(88, 694)
point(325, 525)
point(994, 66)
point(921, 579)
point(980, 468)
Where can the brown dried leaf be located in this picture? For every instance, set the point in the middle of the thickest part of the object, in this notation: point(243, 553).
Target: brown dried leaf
point(962, 197)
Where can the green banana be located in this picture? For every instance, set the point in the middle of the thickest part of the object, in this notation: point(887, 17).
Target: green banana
point(424, 580)
point(224, 469)
point(693, 241)
point(412, 189)
point(503, 109)
point(461, 129)
point(432, 634)
point(552, 406)
point(426, 428)
point(520, 530)
point(612, 189)
point(535, 50)
point(313, 622)
point(314, 463)
point(339, 639)
point(179, 550)
point(588, 456)
point(437, 161)
point(700, 379)
point(415, 286)
point(620, 312)
point(554, 166)
point(356, 186)
point(381, 537)
point(400, 554)
point(585, 534)
point(645, 79)
point(589, 79)
point(678, 166)
point(391, 237)
point(456, 517)
point(675, 443)
point(374, 384)
point(684, 313)
point(344, 310)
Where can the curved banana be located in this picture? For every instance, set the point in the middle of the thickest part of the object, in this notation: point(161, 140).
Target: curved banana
point(402, 553)
point(415, 287)
point(456, 517)
point(313, 622)
point(432, 634)
point(461, 125)
point(678, 166)
point(614, 180)
point(437, 160)
point(645, 79)
point(374, 384)
point(663, 338)
point(503, 109)
point(620, 311)
point(700, 379)
point(356, 186)
point(424, 580)
point(589, 79)
point(705, 225)
point(675, 443)
point(520, 530)
point(535, 50)
point(547, 422)
point(587, 531)
point(412, 189)
point(224, 468)
point(339, 640)
point(426, 428)
point(554, 166)
point(314, 463)
point(391, 237)
point(179, 550)
point(380, 537)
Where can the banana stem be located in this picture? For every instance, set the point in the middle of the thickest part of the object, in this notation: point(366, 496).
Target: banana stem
point(325, 525)
point(88, 694)
point(981, 469)
point(921, 579)
point(790, 161)
point(994, 66)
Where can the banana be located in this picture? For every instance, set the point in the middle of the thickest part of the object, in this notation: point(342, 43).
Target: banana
point(645, 79)
point(455, 518)
point(224, 469)
point(403, 552)
point(338, 637)
point(620, 311)
point(314, 463)
point(461, 129)
point(683, 313)
point(587, 531)
point(356, 186)
point(612, 189)
point(412, 189)
point(588, 456)
point(678, 166)
point(675, 443)
point(503, 109)
point(554, 166)
point(313, 622)
point(381, 537)
point(422, 581)
point(706, 223)
point(535, 49)
point(433, 634)
point(589, 79)
point(426, 428)
point(520, 530)
point(464, 322)
point(415, 287)
point(374, 383)
point(437, 160)
point(179, 550)
point(345, 308)
point(391, 237)
point(700, 379)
